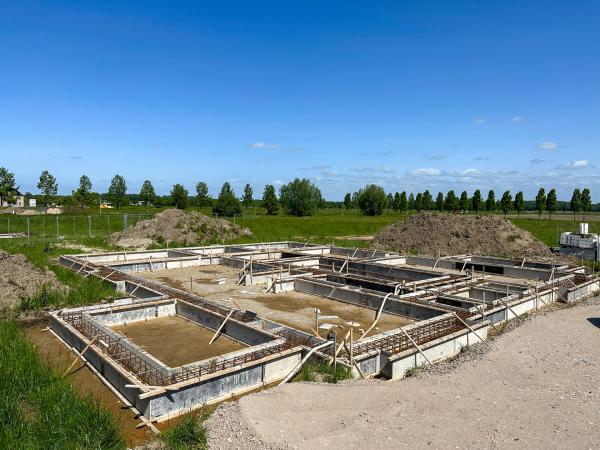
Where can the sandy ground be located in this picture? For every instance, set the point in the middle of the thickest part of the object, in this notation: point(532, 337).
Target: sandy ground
point(294, 309)
point(176, 341)
point(535, 387)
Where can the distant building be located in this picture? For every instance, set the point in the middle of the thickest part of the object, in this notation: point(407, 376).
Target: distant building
point(18, 203)
point(105, 205)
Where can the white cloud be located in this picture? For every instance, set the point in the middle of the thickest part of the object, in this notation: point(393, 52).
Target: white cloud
point(547, 145)
point(427, 171)
point(471, 172)
point(264, 146)
point(537, 161)
point(517, 119)
point(578, 164)
point(479, 120)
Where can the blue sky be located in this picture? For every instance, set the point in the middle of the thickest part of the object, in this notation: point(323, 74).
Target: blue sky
point(409, 95)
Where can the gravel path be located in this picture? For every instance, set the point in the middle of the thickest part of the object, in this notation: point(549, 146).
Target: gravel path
point(534, 387)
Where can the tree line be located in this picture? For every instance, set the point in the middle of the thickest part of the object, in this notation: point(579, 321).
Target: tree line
point(300, 197)
point(372, 200)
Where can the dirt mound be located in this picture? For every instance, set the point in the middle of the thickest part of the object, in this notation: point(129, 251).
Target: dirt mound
point(177, 227)
point(428, 234)
point(20, 279)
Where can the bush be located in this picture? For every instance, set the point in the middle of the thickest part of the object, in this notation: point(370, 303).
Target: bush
point(300, 197)
point(372, 200)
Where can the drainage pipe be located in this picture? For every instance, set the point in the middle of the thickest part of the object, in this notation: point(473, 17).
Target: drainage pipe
point(301, 363)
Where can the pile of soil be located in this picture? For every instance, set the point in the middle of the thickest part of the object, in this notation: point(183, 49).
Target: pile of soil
point(427, 234)
point(177, 227)
point(20, 279)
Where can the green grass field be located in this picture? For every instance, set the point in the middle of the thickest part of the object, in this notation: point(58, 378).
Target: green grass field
point(548, 231)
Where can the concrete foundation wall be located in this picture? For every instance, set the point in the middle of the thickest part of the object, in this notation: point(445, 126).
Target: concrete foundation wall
point(134, 314)
point(446, 347)
point(371, 299)
point(220, 387)
point(232, 328)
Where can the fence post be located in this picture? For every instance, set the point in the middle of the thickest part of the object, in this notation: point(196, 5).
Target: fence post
point(124, 221)
point(57, 232)
point(28, 230)
point(89, 226)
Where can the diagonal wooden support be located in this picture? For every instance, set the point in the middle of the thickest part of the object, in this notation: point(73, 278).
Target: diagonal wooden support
point(221, 327)
point(416, 346)
point(80, 355)
point(468, 326)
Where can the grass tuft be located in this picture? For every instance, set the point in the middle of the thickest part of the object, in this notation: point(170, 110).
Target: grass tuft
point(188, 433)
point(315, 371)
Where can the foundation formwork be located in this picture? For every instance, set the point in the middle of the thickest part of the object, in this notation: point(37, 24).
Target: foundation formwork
point(448, 303)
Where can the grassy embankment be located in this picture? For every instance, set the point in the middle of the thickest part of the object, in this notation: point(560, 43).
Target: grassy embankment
point(40, 409)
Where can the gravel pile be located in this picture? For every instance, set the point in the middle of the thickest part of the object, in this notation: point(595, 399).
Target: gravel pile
point(177, 227)
point(449, 234)
point(227, 430)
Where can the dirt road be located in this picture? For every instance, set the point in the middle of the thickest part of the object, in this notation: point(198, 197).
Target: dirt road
point(537, 386)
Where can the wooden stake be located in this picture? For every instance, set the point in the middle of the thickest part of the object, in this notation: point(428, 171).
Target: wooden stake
point(81, 354)
point(221, 327)
point(416, 346)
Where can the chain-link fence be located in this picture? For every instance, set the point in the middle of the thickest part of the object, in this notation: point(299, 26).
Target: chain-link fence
point(68, 226)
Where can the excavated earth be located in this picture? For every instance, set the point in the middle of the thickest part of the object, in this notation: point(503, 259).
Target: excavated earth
point(20, 279)
point(177, 227)
point(449, 234)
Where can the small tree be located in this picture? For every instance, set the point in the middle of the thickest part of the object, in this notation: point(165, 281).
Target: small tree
point(427, 200)
point(464, 201)
point(179, 196)
point(451, 201)
point(476, 201)
point(82, 195)
point(247, 199)
point(48, 187)
point(576, 202)
point(439, 202)
point(540, 202)
point(8, 189)
point(586, 201)
point(300, 197)
point(117, 190)
point(389, 203)
point(348, 201)
point(551, 202)
point(490, 203)
point(202, 198)
point(372, 200)
point(403, 202)
point(269, 200)
point(147, 194)
point(419, 202)
point(506, 202)
point(519, 203)
point(227, 204)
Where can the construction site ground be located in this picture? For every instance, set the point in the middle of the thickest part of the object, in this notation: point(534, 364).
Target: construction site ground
point(536, 386)
point(168, 339)
point(294, 309)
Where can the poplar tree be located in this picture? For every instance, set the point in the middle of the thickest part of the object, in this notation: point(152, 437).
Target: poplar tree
point(506, 202)
point(519, 203)
point(576, 202)
point(477, 201)
point(540, 202)
point(551, 202)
